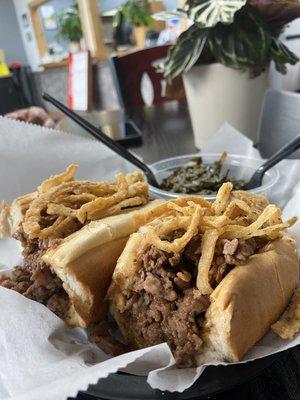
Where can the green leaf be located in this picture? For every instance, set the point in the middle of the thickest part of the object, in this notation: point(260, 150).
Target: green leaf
point(69, 24)
point(186, 52)
point(243, 44)
point(117, 19)
point(281, 55)
point(137, 12)
point(209, 13)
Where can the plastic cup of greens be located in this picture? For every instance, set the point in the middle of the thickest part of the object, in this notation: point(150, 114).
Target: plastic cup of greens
point(237, 168)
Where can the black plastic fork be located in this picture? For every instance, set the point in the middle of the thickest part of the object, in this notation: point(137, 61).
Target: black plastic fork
point(284, 152)
point(102, 137)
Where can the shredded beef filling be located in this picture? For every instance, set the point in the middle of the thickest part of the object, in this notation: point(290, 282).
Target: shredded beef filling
point(34, 279)
point(164, 304)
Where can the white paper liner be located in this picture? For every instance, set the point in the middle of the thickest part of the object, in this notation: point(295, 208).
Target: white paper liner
point(29, 153)
point(39, 357)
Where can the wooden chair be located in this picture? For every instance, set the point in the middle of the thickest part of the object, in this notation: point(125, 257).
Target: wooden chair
point(279, 121)
point(128, 72)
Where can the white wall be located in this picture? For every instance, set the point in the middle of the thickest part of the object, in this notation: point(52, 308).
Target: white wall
point(293, 28)
point(30, 46)
point(10, 36)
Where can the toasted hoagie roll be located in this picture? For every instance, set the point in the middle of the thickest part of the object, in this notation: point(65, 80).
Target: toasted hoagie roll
point(11, 216)
point(85, 261)
point(71, 276)
point(207, 278)
point(72, 233)
point(250, 299)
point(18, 209)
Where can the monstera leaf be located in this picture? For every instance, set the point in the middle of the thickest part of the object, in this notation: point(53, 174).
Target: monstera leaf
point(243, 44)
point(281, 55)
point(186, 52)
point(278, 12)
point(207, 13)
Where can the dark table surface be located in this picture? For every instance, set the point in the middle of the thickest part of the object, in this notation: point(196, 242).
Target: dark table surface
point(167, 132)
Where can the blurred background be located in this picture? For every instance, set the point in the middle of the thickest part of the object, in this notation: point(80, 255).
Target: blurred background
point(37, 37)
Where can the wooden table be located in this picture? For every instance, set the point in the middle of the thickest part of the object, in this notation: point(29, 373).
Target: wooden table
point(167, 132)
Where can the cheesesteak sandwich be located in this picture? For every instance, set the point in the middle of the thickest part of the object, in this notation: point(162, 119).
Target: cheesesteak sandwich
point(72, 233)
point(207, 278)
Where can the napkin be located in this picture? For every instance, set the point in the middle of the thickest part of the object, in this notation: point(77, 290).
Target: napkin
point(29, 153)
point(40, 358)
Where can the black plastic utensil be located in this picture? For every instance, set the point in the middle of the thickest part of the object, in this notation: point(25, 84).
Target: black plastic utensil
point(284, 152)
point(102, 137)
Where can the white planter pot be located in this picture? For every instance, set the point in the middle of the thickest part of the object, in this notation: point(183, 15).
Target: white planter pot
point(74, 47)
point(217, 94)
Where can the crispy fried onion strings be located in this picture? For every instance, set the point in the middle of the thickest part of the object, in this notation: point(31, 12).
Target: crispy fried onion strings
point(63, 205)
point(233, 215)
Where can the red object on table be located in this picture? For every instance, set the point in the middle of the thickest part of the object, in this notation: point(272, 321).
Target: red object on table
point(79, 92)
point(15, 65)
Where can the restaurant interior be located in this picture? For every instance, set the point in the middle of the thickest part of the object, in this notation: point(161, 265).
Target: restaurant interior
point(182, 90)
point(124, 70)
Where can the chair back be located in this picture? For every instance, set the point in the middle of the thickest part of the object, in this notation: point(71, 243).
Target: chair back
point(128, 72)
point(279, 121)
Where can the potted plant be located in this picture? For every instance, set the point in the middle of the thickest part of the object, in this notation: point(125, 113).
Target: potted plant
point(69, 27)
point(224, 57)
point(138, 13)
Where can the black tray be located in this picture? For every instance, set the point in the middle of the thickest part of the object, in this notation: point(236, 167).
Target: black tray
point(214, 380)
